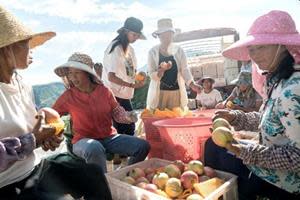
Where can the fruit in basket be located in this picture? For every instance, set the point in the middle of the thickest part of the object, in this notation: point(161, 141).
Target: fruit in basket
point(188, 179)
point(162, 193)
point(210, 172)
point(140, 76)
point(173, 187)
point(196, 166)
point(129, 180)
point(172, 171)
point(141, 185)
point(150, 176)
point(195, 197)
point(136, 173)
point(221, 136)
point(220, 122)
point(180, 165)
point(160, 180)
point(203, 178)
point(207, 187)
point(151, 187)
point(141, 180)
point(149, 170)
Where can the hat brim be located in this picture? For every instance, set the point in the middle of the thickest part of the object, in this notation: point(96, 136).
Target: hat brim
point(239, 51)
point(62, 70)
point(142, 36)
point(207, 78)
point(40, 38)
point(156, 33)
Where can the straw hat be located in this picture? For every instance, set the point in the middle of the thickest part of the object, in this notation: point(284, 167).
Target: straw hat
point(163, 25)
point(275, 27)
point(79, 61)
point(207, 78)
point(12, 30)
point(135, 25)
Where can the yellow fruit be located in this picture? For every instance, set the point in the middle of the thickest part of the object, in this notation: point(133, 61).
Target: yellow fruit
point(141, 76)
point(220, 122)
point(229, 104)
point(221, 136)
point(59, 125)
point(173, 187)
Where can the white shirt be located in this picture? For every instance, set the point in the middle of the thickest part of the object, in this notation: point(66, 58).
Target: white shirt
point(124, 67)
point(209, 100)
point(17, 117)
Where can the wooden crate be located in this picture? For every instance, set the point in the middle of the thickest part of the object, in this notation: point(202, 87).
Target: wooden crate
point(123, 191)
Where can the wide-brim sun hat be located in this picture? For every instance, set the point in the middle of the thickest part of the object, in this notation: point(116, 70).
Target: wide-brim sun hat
point(12, 30)
point(164, 25)
point(275, 27)
point(207, 78)
point(135, 25)
point(79, 61)
point(244, 78)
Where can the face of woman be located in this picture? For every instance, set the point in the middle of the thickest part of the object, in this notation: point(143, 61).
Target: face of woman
point(22, 54)
point(166, 37)
point(207, 84)
point(132, 36)
point(79, 78)
point(243, 87)
point(266, 57)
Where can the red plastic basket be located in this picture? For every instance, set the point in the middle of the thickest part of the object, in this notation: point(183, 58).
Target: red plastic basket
point(184, 138)
point(153, 137)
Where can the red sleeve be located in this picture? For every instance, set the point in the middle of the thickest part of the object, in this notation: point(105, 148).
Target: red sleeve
point(61, 104)
point(112, 100)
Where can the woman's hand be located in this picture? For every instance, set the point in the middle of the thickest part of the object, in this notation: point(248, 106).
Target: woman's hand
point(138, 84)
point(220, 105)
point(41, 131)
point(195, 87)
point(52, 143)
point(225, 114)
point(234, 148)
point(132, 116)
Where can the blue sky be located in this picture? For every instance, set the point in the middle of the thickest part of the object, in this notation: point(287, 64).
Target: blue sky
point(89, 25)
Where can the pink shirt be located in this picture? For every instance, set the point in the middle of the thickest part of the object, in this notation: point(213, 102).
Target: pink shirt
point(91, 113)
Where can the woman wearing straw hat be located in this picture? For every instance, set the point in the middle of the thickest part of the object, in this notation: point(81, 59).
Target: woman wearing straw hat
point(243, 97)
point(92, 107)
point(168, 71)
point(22, 174)
point(120, 67)
point(209, 97)
point(272, 167)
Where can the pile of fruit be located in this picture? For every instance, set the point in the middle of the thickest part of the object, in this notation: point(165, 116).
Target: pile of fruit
point(192, 181)
point(221, 134)
point(166, 113)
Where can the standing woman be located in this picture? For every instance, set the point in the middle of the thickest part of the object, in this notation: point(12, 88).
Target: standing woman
point(23, 175)
point(167, 67)
point(272, 167)
point(120, 67)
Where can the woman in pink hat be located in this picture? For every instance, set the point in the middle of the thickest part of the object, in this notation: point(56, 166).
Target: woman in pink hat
point(270, 167)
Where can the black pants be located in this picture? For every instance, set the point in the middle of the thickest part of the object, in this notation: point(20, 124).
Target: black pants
point(127, 129)
point(59, 175)
point(249, 185)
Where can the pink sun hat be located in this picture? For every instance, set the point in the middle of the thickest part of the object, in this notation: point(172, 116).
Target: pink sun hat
point(275, 27)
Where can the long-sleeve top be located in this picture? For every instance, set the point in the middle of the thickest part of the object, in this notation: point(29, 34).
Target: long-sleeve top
point(17, 119)
point(184, 75)
point(277, 158)
point(92, 113)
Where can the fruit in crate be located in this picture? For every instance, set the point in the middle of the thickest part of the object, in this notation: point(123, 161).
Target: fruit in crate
point(140, 76)
point(203, 178)
point(220, 122)
point(210, 172)
point(196, 166)
point(142, 180)
point(151, 187)
point(180, 165)
point(188, 179)
point(172, 171)
point(149, 170)
point(160, 179)
point(195, 197)
point(207, 187)
point(129, 180)
point(173, 187)
point(162, 193)
point(221, 136)
point(53, 118)
point(136, 173)
point(141, 185)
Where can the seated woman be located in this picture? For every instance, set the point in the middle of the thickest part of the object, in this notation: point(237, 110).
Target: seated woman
point(92, 107)
point(271, 167)
point(209, 97)
point(243, 97)
point(23, 175)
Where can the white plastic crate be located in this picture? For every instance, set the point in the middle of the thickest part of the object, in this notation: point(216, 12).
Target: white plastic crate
point(123, 191)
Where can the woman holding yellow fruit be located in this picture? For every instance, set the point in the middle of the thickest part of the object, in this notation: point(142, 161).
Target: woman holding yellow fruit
point(269, 167)
point(167, 67)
